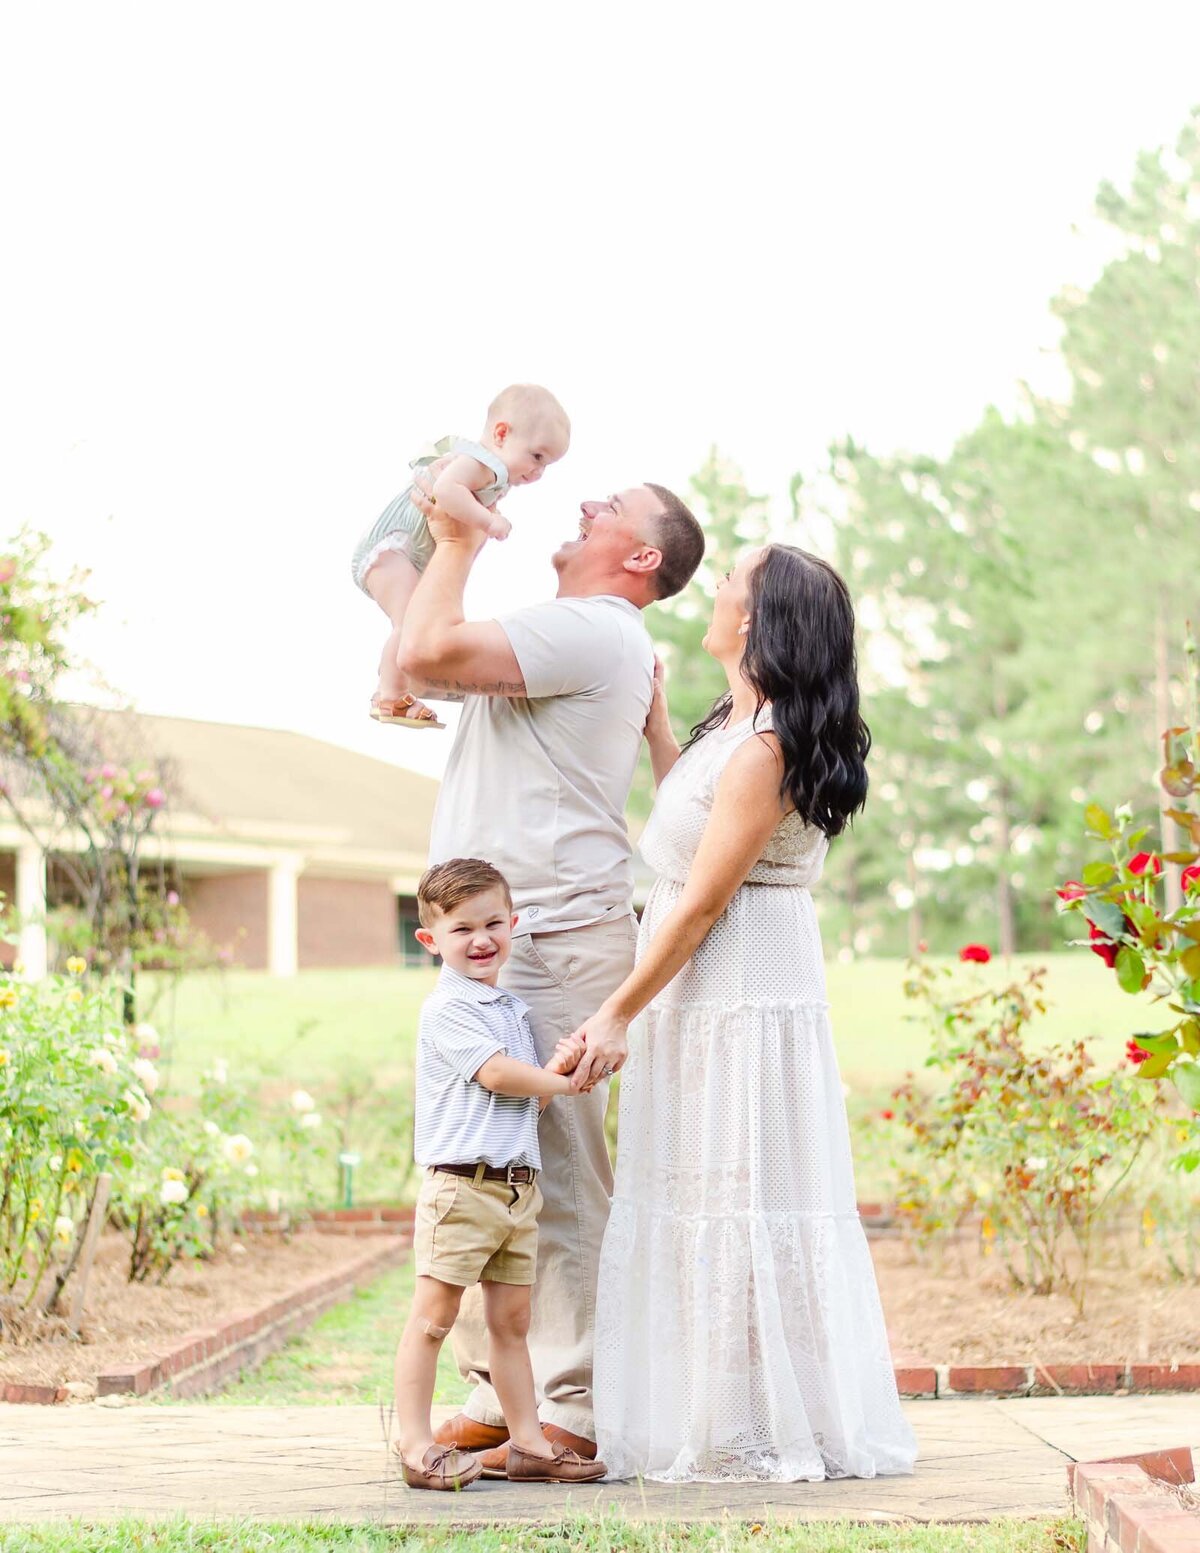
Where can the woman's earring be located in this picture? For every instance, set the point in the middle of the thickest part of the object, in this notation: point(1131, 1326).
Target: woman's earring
point(744, 629)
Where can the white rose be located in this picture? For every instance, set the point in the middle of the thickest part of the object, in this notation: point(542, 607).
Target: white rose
point(138, 1104)
point(251, 1169)
point(147, 1074)
point(55, 1163)
point(311, 1119)
point(1123, 812)
point(238, 1148)
point(145, 1035)
point(212, 1129)
point(64, 1229)
point(220, 1071)
point(100, 1057)
point(1036, 1163)
point(302, 1100)
point(172, 1192)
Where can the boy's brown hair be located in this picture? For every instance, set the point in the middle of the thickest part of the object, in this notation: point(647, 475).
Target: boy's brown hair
point(447, 885)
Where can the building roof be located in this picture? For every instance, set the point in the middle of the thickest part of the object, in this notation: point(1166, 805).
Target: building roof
point(283, 791)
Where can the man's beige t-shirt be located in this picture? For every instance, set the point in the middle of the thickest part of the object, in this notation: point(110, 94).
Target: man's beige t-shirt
point(537, 785)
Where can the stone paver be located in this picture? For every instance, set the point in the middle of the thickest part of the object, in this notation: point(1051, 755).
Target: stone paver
point(979, 1459)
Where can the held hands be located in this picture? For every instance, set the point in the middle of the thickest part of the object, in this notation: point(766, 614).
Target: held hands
point(606, 1048)
point(499, 527)
point(566, 1055)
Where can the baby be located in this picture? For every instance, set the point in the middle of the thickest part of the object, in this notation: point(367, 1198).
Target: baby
point(527, 430)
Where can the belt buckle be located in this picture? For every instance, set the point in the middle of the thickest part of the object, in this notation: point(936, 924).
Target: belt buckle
point(508, 1174)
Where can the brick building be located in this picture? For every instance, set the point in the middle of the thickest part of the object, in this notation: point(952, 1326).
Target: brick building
point(293, 852)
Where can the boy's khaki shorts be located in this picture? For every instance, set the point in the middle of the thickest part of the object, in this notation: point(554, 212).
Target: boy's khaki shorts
point(466, 1234)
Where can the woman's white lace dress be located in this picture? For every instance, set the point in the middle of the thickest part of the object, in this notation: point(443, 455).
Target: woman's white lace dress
point(739, 1334)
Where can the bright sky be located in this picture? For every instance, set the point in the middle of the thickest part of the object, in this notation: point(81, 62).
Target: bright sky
point(258, 253)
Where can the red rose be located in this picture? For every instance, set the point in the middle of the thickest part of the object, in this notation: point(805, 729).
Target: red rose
point(975, 954)
point(1135, 1053)
point(1190, 877)
point(1072, 891)
point(923, 947)
point(1103, 945)
point(1141, 862)
point(888, 1115)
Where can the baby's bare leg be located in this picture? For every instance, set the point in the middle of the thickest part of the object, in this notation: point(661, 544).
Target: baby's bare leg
point(391, 582)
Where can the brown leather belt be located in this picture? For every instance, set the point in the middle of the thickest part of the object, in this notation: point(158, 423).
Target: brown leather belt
point(512, 1175)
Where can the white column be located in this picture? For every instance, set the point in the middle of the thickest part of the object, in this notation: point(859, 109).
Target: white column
point(283, 956)
point(31, 908)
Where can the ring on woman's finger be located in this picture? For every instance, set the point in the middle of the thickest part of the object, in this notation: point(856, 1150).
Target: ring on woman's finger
point(608, 1072)
point(432, 501)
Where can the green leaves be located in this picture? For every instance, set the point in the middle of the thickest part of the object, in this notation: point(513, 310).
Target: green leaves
point(1096, 874)
point(1131, 969)
point(1098, 821)
point(1186, 1078)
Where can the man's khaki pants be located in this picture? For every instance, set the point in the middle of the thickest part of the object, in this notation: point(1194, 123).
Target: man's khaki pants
point(564, 977)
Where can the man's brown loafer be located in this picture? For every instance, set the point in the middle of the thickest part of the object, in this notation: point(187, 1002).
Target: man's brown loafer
point(471, 1436)
point(443, 1467)
point(566, 1466)
point(495, 1462)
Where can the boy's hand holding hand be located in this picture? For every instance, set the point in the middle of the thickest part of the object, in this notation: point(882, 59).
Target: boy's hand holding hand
point(566, 1055)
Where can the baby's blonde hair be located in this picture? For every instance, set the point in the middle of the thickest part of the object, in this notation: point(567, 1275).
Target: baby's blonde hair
point(529, 406)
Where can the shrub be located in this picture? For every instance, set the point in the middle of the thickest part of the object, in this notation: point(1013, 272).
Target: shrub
point(1035, 1141)
point(71, 1100)
point(1150, 949)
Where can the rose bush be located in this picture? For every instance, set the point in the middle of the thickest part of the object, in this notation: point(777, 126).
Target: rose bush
point(70, 1105)
point(1153, 950)
point(1036, 1142)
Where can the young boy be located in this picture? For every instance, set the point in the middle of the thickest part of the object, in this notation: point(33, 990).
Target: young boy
point(480, 1092)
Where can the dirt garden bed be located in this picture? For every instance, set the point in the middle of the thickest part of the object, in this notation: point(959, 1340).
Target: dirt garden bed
point(968, 1313)
point(125, 1324)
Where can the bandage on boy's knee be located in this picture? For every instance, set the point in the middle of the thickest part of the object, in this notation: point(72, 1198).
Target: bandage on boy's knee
point(437, 1333)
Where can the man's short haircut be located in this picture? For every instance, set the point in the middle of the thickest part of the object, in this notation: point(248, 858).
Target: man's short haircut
point(681, 540)
point(446, 885)
point(529, 404)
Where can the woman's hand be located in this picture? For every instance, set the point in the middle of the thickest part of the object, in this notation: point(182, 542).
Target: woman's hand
point(658, 717)
point(605, 1048)
point(664, 747)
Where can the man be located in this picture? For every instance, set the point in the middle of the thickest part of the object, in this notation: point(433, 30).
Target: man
point(556, 701)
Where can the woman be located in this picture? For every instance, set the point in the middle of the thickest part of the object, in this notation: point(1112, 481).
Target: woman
point(739, 1334)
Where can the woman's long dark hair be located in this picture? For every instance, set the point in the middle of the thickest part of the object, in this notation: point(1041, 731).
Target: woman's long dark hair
point(800, 657)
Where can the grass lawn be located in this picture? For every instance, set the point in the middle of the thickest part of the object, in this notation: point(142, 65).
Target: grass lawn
point(591, 1535)
point(346, 1355)
point(320, 1023)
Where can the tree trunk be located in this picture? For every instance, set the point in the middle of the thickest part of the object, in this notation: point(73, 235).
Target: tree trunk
point(1005, 914)
point(1162, 721)
point(914, 911)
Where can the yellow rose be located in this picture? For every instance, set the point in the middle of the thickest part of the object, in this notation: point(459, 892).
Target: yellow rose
point(201, 1211)
point(8, 997)
point(3, 1058)
point(74, 995)
point(74, 1159)
point(76, 965)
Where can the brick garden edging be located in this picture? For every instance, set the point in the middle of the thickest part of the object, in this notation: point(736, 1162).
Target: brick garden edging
point(200, 1361)
point(374, 1219)
point(920, 1378)
point(1129, 1506)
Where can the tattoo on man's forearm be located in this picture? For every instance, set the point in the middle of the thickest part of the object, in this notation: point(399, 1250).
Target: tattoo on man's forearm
point(497, 687)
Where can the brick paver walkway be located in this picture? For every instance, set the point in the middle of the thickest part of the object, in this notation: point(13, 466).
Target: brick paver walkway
point(979, 1459)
